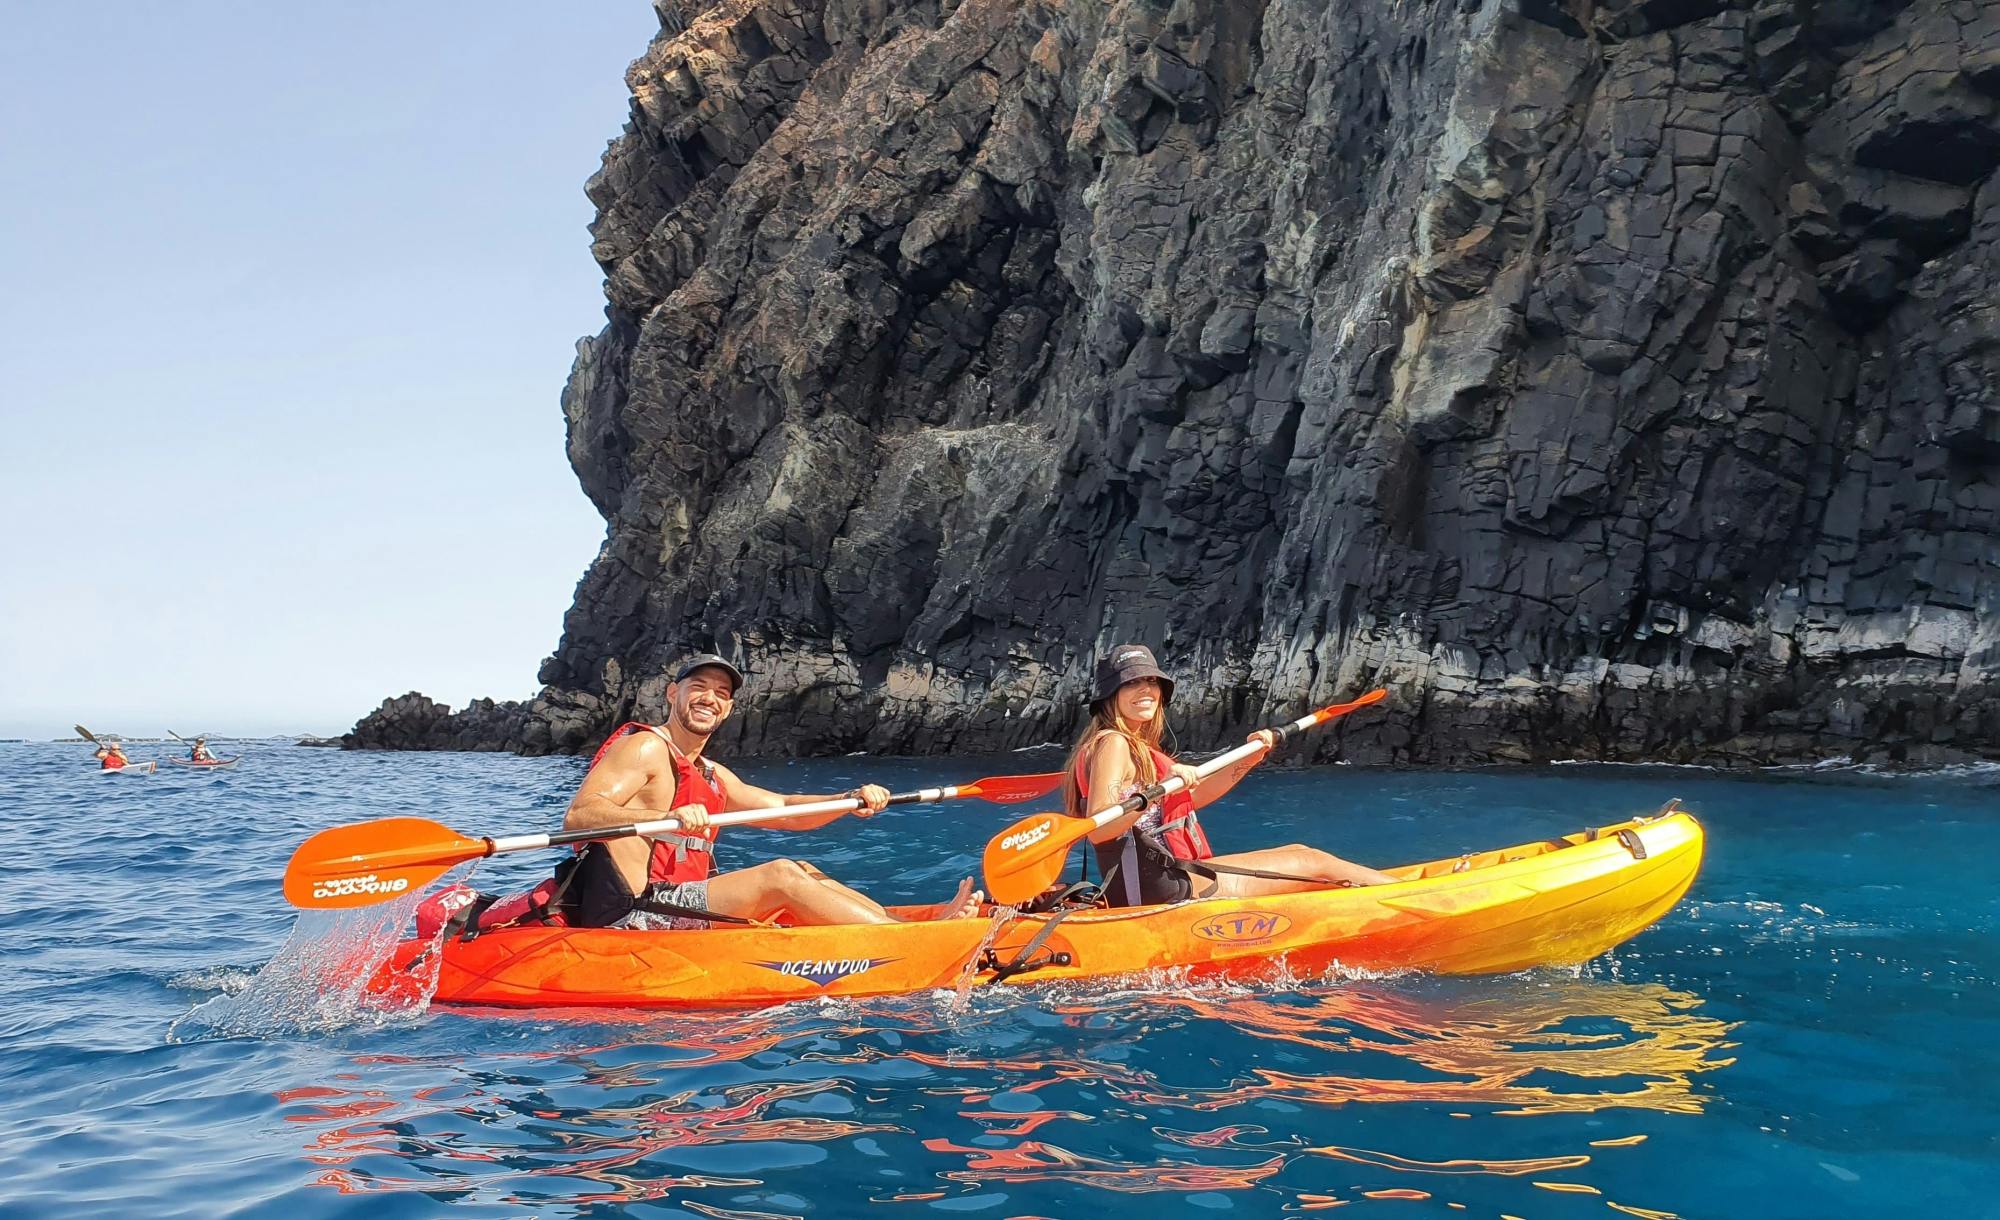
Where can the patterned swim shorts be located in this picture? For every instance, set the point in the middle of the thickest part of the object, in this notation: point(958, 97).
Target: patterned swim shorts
point(683, 894)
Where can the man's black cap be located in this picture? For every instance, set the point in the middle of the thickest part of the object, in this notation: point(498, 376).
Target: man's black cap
point(1128, 663)
point(702, 660)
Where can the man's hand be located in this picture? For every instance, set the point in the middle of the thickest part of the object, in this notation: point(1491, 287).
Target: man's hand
point(873, 798)
point(691, 817)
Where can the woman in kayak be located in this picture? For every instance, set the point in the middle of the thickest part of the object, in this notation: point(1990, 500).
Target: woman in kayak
point(199, 752)
point(1160, 854)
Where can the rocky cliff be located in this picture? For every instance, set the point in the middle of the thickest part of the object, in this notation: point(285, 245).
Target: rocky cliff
point(1610, 378)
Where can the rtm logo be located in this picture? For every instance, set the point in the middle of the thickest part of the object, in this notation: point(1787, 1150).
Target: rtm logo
point(1022, 839)
point(823, 972)
point(1242, 927)
point(346, 887)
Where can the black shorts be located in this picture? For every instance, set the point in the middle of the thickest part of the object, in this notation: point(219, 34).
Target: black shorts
point(1138, 876)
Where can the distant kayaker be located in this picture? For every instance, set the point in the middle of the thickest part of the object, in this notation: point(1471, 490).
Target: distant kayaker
point(111, 756)
point(199, 751)
point(1160, 854)
point(666, 881)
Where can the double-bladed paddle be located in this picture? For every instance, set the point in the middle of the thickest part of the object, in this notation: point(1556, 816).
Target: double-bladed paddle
point(370, 862)
point(86, 734)
point(1023, 860)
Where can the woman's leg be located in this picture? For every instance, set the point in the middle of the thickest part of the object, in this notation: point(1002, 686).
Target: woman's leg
point(1296, 859)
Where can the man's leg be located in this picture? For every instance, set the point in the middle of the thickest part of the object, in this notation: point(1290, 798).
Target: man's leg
point(810, 896)
point(961, 905)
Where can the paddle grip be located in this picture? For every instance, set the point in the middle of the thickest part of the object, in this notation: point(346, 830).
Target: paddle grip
point(922, 796)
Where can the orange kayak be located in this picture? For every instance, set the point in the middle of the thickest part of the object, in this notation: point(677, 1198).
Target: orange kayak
point(1554, 902)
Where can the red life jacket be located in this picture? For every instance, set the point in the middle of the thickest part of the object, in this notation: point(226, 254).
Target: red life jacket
point(679, 855)
point(1180, 830)
point(113, 762)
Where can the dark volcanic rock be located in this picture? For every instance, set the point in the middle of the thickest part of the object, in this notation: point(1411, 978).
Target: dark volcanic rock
point(417, 722)
point(1609, 378)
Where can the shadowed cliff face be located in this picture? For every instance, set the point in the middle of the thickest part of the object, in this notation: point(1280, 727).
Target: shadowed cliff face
point(1607, 379)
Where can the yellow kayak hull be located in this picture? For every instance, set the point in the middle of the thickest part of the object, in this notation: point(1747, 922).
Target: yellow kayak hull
point(1551, 903)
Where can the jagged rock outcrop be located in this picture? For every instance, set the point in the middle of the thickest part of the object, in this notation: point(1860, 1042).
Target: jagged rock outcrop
point(1609, 378)
point(418, 722)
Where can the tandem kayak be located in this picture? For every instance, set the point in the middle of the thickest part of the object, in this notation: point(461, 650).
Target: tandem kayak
point(1555, 902)
point(206, 764)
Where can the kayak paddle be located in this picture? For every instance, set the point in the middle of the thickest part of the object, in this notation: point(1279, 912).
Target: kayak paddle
point(369, 862)
point(1003, 789)
point(1026, 858)
point(86, 734)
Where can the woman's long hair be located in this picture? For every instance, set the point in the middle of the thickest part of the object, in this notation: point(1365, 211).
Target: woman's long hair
point(1141, 739)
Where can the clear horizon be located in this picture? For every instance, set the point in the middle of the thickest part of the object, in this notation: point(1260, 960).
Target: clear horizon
point(293, 299)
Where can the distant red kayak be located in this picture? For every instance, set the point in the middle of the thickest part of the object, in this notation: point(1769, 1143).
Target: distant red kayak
point(207, 764)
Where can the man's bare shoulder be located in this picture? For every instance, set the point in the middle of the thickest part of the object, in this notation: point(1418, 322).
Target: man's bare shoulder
point(638, 748)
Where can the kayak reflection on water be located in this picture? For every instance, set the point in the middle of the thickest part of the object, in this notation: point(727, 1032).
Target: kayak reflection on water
point(955, 1097)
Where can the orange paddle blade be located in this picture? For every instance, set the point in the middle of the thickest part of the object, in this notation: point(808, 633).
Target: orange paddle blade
point(1009, 789)
point(371, 862)
point(1341, 709)
point(1026, 858)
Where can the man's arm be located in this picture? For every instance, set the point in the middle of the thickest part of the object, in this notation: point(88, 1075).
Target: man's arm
point(632, 762)
point(737, 794)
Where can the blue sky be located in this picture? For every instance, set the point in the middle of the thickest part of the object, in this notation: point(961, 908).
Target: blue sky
point(291, 294)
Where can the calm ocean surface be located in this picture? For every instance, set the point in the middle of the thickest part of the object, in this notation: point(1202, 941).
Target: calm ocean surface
point(1814, 1032)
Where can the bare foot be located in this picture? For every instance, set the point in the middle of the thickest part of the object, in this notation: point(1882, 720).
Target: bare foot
point(962, 905)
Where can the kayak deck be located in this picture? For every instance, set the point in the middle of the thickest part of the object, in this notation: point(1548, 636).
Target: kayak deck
point(1556, 902)
point(209, 764)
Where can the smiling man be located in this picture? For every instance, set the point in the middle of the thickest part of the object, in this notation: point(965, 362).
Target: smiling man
point(668, 880)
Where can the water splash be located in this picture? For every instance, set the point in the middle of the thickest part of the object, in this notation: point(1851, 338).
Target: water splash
point(961, 992)
point(317, 982)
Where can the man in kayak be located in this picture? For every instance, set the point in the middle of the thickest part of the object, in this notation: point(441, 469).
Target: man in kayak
point(665, 881)
point(1160, 853)
point(111, 756)
point(199, 752)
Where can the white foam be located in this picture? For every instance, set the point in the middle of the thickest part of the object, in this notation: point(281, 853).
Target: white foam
point(317, 981)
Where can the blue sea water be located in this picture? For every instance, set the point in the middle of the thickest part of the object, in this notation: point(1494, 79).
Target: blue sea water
point(1812, 1032)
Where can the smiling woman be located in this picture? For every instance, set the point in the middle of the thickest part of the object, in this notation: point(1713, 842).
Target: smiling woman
point(1157, 851)
point(338, 310)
